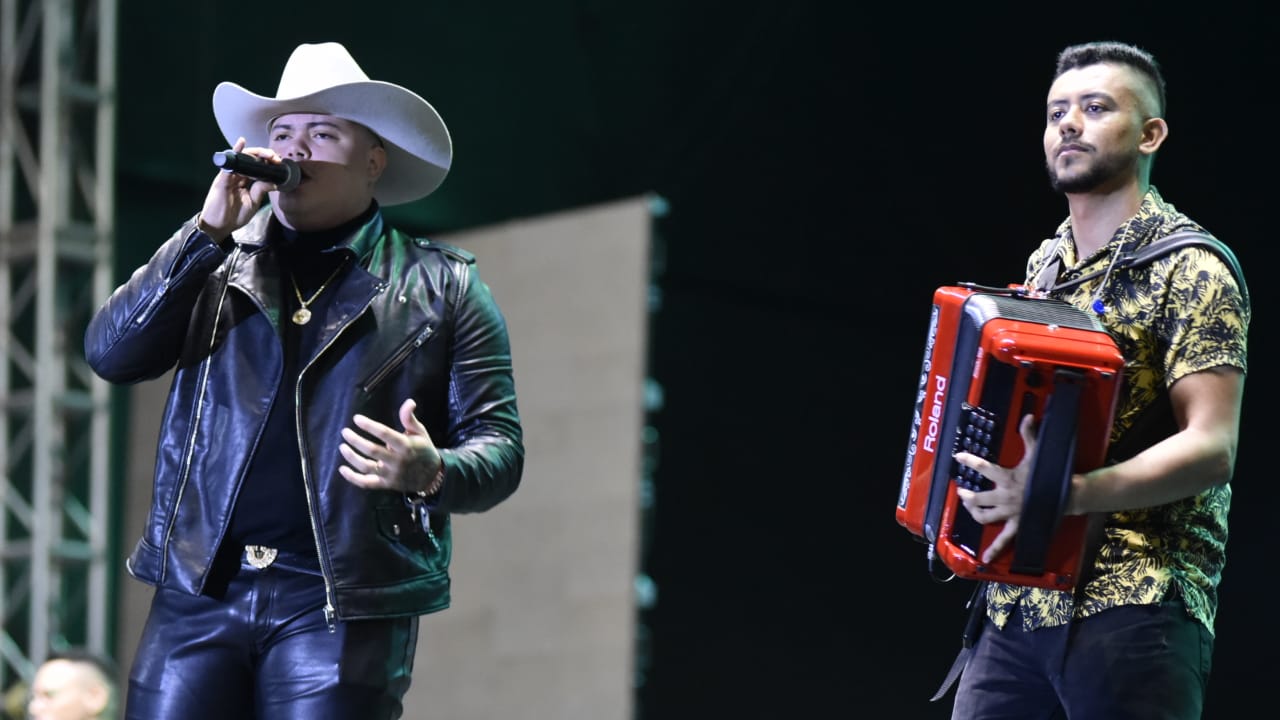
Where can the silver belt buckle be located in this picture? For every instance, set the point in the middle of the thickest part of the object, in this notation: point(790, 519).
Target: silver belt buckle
point(260, 556)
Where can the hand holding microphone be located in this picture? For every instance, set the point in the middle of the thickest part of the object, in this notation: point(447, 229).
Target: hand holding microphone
point(236, 193)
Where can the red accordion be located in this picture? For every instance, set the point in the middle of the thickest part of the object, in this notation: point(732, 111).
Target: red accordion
point(991, 357)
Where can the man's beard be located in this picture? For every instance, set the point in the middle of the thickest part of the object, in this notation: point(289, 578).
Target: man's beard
point(1103, 172)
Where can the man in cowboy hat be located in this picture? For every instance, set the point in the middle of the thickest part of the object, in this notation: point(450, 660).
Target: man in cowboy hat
point(339, 389)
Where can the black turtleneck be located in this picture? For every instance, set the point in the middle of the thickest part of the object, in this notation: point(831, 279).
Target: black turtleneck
point(305, 255)
point(272, 508)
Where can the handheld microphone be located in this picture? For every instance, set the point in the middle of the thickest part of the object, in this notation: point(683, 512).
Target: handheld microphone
point(285, 175)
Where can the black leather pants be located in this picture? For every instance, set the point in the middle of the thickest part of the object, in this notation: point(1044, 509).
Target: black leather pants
point(262, 650)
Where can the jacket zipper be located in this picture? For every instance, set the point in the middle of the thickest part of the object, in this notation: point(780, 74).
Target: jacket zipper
point(195, 419)
point(152, 303)
point(330, 612)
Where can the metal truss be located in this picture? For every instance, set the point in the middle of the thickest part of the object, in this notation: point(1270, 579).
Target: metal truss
point(57, 215)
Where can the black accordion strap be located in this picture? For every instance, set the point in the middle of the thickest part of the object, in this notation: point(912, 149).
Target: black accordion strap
point(1160, 247)
point(972, 627)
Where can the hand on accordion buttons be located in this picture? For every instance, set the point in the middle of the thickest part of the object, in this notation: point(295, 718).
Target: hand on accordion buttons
point(1004, 500)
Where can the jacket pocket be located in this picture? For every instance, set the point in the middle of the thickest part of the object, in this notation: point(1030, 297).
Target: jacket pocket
point(399, 526)
point(397, 358)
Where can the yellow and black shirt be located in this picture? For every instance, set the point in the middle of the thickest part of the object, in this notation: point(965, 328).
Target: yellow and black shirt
point(1182, 313)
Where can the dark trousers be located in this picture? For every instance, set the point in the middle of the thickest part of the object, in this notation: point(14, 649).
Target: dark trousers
point(263, 650)
point(1142, 662)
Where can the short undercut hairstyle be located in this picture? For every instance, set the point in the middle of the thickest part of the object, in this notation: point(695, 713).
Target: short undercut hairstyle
point(1094, 53)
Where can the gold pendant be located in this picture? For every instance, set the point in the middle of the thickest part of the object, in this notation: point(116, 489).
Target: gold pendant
point(301, 316)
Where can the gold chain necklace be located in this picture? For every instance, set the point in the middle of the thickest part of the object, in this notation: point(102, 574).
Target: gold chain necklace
point(302, 315)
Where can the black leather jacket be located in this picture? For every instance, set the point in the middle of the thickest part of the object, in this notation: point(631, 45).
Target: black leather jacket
point(411, 320)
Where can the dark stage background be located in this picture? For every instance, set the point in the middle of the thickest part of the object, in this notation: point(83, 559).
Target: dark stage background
point(827, 166)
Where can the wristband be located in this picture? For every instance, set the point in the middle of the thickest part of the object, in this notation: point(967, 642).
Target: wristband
point(436, 483)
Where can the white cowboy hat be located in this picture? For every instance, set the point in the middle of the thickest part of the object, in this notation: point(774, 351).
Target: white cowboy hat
point(323, 78)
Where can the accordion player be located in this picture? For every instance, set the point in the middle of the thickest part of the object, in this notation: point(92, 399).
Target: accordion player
point(992, 356)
